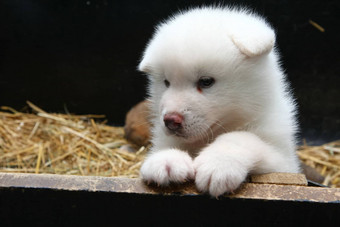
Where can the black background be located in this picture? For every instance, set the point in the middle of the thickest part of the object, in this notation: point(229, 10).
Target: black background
point(82, 55)
point(45, 207)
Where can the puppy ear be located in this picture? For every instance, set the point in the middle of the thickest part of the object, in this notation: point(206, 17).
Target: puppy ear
point(144, 67)
point(254, 39)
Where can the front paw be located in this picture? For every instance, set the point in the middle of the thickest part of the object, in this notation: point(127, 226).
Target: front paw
point(218, 173)
point(167, 166)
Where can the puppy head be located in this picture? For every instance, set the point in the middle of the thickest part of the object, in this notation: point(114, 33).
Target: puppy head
point(206, 69)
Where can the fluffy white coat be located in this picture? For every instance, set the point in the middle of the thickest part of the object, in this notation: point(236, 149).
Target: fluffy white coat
point(243, 124)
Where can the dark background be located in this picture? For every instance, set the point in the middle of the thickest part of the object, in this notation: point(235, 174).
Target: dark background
point(46, 207)
point(81, 55)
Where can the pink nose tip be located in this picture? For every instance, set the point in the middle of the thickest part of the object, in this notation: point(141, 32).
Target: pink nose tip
point(173, 121)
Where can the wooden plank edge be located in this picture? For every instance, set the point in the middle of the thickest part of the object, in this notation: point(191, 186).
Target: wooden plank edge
point(132, 185)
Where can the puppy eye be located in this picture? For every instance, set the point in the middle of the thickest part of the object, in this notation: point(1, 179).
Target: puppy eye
point(205, 82)
point(167, 83)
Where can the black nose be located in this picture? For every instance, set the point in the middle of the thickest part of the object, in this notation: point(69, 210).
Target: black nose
point(173, 121)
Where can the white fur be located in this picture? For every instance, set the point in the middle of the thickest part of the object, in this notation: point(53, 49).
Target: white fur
point(170, 165)
point(243, 124)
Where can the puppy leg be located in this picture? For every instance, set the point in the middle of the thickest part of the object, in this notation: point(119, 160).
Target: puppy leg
point(224, 165)
point(165, 166)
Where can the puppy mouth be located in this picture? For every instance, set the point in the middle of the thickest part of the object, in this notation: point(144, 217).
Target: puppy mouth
point(178, 133)
point(185, 136)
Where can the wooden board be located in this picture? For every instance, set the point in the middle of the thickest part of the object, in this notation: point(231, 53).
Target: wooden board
point(127, 185)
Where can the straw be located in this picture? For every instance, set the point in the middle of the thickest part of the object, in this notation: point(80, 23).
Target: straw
point(325, 159)
point(42, 142)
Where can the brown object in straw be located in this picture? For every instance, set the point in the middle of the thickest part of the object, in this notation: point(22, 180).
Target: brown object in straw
point(137, 124)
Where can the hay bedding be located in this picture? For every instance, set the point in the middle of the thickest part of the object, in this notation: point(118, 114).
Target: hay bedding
point(64, 144)
point(325, 159)
point(42, 142)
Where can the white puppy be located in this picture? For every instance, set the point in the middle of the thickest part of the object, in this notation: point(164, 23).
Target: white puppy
point(220, 101)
